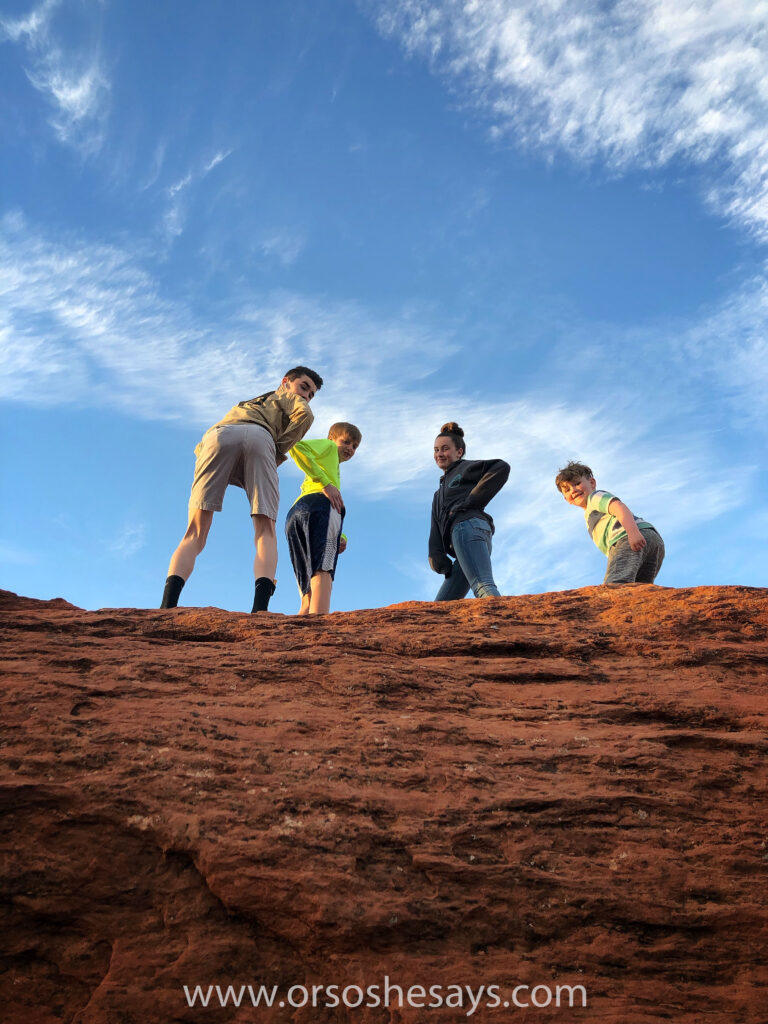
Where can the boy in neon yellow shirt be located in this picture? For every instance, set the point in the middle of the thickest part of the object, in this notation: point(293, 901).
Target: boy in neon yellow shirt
point(313, 525)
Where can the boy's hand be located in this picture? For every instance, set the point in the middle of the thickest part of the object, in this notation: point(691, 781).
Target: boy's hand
point(635, 536)
point(343, 545)
point(333, 494)
point(636, 539)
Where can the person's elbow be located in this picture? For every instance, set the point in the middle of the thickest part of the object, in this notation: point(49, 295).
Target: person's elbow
point(622, 512)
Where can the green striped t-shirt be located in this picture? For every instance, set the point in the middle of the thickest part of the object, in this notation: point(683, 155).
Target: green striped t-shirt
point(605, 529)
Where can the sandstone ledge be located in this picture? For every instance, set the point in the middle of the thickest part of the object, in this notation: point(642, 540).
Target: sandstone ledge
point(563, 788)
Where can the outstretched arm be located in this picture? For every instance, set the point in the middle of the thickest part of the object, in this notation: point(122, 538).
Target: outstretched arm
point(634, 535)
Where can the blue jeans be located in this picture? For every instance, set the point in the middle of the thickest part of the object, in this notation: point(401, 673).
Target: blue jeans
point(471, 539)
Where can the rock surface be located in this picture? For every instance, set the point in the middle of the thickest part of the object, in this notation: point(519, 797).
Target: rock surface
point(562, 789)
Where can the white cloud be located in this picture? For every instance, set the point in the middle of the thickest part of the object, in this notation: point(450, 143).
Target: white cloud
point(31, 27)
point(86, 323)
point(197, 175)
point(180, 185)
point(636, 83)
point(285, 246)
point(73, 313)
point(73, 80)
point(158, 160)
point(730, 342)
point(175, 214)
point(128, 541)
point(79, 98)
point(216, 160)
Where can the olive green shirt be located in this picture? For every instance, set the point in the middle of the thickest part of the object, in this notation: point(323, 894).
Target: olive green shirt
point(286, 416)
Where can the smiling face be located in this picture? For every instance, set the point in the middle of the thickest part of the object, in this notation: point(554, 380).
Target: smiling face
point(446, 452)
point(302, 386)
point(347, 447)
point(576, 492)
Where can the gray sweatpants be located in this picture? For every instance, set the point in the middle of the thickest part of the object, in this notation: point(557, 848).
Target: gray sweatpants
point(628, 566)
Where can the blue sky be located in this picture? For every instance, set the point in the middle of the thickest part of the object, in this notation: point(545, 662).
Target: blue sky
point(545, 220)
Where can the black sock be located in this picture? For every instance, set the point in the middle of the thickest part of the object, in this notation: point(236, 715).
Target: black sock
point(173, 586)
point(265, 588)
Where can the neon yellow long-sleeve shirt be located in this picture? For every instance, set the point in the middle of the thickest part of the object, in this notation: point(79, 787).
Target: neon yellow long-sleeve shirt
point(319, 462)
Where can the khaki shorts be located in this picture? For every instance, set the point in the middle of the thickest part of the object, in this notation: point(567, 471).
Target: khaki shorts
point(242, 454)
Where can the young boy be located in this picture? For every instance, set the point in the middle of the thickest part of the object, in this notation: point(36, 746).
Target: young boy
point(245, 449)
point(313, 525)
point(634, 548)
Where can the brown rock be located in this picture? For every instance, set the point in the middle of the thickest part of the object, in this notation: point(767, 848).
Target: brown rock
point(561, 789)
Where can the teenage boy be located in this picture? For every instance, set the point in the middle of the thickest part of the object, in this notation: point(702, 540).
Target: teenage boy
point(313, 525)
point(245, 449)
point(634, 548)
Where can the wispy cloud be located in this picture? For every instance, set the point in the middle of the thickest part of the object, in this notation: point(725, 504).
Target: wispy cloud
point(285, 246)
point(128, 541)
point(180, 185)
point(220, 157)
point(32, 26)
point(74, 313)
point(72, 80)
point(83, 320)
point(158, 159)
point(637, 83)
point(175, 214)
point(731, 342)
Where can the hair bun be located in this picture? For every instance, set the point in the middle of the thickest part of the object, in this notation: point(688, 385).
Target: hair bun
point(452, 428)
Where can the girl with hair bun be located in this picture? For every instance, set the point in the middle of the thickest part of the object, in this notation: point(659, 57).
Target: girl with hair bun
point(460, 525)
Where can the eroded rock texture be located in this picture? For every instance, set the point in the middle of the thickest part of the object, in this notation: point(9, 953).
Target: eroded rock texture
point(560, 789)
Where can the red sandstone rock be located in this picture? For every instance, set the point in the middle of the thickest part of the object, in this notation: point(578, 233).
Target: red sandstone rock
point(560, 789)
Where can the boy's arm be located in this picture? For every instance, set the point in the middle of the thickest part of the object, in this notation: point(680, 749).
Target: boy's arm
point(495, 474)
point(634, 535)
point(303, 455)
point(300, 420)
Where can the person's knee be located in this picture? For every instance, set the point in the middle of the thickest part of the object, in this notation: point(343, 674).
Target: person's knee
point(263, 526)
point(196, 536)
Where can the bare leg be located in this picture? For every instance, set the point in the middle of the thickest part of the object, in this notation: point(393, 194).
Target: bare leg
point(305, 599)
point(265, 562)
point(193, 542)
point(320, 600)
